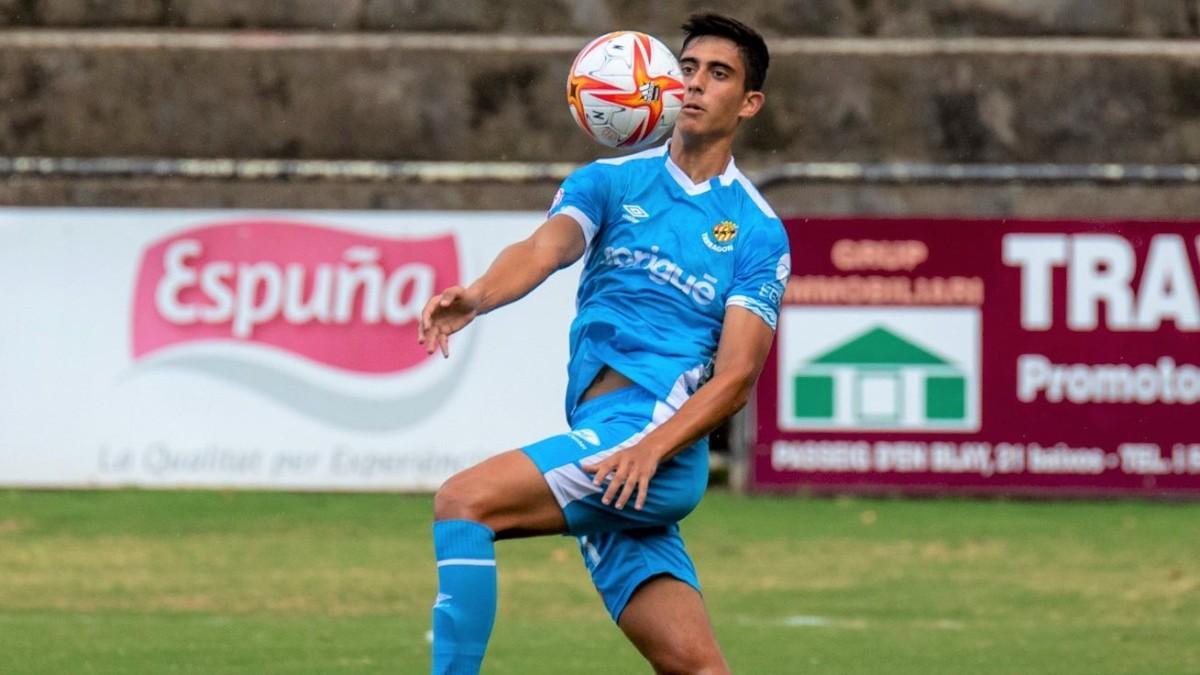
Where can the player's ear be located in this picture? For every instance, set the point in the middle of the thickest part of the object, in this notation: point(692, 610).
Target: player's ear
point(752, 102)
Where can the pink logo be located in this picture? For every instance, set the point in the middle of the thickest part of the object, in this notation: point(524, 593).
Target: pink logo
point(351, 301)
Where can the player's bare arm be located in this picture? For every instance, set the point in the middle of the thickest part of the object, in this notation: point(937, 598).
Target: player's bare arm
point(741, 353)
point(520, 268)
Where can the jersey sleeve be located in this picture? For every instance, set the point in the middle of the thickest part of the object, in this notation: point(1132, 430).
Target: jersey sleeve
point(585, 196)
point(762, 272)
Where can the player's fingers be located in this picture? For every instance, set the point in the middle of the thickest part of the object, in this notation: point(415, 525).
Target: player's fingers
point(427, 316)
point(601, 470)
point(444, 343)
point(642, 488)
point(450, 295)
point(615, 484)
point(431, 340)
point(627, 491)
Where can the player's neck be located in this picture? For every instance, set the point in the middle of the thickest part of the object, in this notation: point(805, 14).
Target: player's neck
point(701, 159)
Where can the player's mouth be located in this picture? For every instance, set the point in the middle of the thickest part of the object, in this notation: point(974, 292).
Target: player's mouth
point(692, 108)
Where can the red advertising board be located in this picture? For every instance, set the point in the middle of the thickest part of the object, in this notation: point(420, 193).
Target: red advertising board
point(985, 356)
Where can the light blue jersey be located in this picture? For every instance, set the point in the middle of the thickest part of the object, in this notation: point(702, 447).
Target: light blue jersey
point(665, 257)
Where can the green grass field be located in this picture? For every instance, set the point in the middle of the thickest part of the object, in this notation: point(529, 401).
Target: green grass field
point(208, 582)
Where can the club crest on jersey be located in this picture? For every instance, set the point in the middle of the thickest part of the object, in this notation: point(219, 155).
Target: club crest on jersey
point(721, 239)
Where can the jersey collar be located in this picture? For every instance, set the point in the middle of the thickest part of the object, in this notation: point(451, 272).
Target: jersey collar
point(684, 181)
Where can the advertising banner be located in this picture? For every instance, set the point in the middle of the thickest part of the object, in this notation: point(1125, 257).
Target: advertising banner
point(263, 349)
point(984, 356)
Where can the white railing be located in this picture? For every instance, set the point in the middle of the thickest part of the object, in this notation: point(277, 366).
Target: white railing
point(532, 172)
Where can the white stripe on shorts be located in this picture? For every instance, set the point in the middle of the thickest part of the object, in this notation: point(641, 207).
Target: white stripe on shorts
point(477, 562)
point(569, 483)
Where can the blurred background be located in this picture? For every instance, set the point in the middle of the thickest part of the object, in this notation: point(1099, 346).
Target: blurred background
point(992, 208)
point(941, 81)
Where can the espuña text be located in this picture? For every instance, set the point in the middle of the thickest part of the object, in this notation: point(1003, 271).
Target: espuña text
point(249, 294)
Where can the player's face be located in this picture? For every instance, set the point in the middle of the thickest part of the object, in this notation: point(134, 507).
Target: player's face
point(715, 98)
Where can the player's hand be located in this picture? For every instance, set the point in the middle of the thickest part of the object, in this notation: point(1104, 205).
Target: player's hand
point(446, 313)
point(628, 471)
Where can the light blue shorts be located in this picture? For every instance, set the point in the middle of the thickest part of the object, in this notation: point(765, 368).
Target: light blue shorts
point(623, 548)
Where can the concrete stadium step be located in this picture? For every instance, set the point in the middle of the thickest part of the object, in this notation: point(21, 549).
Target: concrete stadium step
point(446, 97)
point(1105, 202)
point(1128, 18)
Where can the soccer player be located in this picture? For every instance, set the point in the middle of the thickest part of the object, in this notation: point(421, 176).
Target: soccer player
point(685, 265)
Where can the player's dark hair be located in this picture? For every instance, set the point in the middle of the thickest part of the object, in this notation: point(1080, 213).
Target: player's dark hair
point(750, 44)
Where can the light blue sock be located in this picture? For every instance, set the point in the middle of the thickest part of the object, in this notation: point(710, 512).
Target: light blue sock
point(466, 600)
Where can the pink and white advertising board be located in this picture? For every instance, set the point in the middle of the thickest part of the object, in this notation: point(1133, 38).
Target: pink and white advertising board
point(263, 349)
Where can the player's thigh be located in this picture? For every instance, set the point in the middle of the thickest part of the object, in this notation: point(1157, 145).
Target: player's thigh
point(506, 493)
point(667, 621)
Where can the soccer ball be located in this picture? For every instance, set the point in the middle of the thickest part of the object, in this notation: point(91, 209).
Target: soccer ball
point(625, 89)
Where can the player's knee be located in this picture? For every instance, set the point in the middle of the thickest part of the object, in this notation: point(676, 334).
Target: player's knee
point(456, 500)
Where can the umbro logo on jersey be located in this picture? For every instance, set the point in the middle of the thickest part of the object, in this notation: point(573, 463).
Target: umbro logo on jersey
point(442, 599)
point(722, 236)
point(634, 213)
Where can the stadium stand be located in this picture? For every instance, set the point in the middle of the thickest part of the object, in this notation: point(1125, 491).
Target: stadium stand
point(871, 18)
point(1056, 81)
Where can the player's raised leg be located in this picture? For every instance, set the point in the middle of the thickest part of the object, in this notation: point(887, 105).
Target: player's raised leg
point(667, 621)
point(506, 493)
point(504, 496)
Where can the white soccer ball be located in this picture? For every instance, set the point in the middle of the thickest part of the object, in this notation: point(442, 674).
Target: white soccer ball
point(625, 89)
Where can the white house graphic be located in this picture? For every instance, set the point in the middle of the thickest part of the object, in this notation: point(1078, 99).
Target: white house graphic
point(879, 380)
